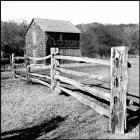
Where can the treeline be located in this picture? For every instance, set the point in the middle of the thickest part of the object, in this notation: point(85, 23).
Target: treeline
point(13, 38)
point(97, 39)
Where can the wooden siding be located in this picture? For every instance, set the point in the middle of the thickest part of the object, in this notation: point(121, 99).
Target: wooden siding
point(68, 44)
point(69, 52)
point(63, 40)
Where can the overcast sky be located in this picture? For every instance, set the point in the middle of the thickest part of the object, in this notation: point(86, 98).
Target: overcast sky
point(106, 12)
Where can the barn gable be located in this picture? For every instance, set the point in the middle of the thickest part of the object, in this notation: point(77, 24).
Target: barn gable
point(49, 25)
point(42, 34)
point(35, 40)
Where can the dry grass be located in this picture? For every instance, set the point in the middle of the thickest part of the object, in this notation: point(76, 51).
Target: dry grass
point(32, 111)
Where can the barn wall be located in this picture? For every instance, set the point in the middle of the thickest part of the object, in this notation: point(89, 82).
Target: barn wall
point(70, 52)
point(40, 38)
point(70, 42)
point(72, 48)
point(64, 40)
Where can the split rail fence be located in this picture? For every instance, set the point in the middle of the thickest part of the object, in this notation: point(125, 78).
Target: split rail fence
point(119, 82)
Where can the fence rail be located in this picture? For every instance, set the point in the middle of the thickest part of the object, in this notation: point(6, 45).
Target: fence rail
point(19, 58)
point(42, 58)
point(119, 81)
point(83, 59)
point(100, 94)
point(81, 74)
point(18, 76)
point(39, 75)
point(22, 64)
point(40, 81)
point(39, 66)
point(86, 101)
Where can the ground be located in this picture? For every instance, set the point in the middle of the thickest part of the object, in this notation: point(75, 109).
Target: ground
point(32, 111)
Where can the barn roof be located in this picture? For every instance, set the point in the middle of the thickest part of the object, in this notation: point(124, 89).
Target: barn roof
point(55, 25)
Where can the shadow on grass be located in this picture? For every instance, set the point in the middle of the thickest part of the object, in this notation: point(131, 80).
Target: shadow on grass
point(98, 85)
point(133, 119)
point(127, 94)
point(33, 132)
point(85, 93)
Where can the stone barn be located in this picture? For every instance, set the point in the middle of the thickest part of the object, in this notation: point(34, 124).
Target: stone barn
point(42, 34)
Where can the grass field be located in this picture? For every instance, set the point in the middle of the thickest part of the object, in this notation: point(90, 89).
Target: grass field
point(32, 111)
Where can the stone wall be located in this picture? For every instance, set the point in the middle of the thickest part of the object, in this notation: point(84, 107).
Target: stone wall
point(40, 41)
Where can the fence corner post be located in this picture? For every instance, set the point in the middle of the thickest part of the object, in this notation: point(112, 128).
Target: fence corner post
point(12, 66)
point(119, 82)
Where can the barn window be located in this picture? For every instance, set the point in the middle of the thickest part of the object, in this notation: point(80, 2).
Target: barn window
point(34, 36)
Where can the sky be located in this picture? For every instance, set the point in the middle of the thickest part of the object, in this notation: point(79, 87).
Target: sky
point(78, 12)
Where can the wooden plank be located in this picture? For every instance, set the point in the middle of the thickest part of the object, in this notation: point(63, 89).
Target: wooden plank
point(119, 82)
point(57, 65)
point(100, 94)
point(40, 82)
point(39, 69)
point(19, 58)
point(52, 72)
point(23, 64)
point(76, 73)
point(27, 61)
point(83, 59)
point(12, 66)
point(41, 66)
point(39, 75)
point(18, 76)
point(41, 58)
point(87, 102)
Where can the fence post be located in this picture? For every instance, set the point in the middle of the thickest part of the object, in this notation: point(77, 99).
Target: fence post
point(27, 61)
point(52, 68)
point(119, 81)
point(53, 72)
point(12, 66)
point(57, 64)
point(24, 59)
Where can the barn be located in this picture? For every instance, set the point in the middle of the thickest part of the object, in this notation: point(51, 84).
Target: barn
point(42, 34)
